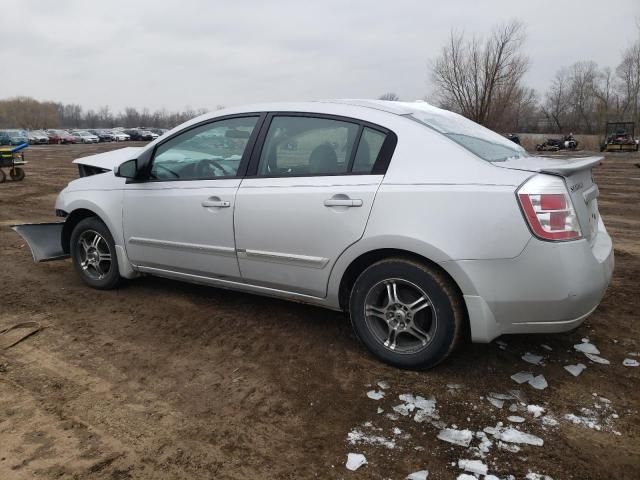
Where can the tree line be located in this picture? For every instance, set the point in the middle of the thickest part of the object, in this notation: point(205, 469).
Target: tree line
point(483, 79)
point(31, 114)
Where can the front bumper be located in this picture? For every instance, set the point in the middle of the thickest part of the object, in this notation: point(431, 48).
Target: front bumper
point(550, 287)
point(44, 240)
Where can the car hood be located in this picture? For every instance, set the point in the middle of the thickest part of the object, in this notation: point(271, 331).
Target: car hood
point(110, 160)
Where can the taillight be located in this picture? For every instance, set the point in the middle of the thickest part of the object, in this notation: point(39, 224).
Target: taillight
point(547, 207)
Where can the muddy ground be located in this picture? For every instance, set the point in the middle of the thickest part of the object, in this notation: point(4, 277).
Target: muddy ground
point(161, 379)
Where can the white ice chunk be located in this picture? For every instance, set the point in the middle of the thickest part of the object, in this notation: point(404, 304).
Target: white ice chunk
point(539, 382)
point(396, 431)
point(515, 419)
point(513, 407)
point(495, 402)
point(404, 408)
point(383, 385)
point(531, 358)
point(454, 386)
point(546, 347)
point(597, 359)
point(535, 410)
point(421, 475)
point(466, 476)
point(501, 396)
point(630, 362)
point(457, 437)
point(575, 370)
point(373, 395)
point(509, 447)
point(537, 476)
point(511, 435)
point(357, 436)
point(586, 347)
point(549, 421)
point(355, 461)
point(522, 377)
point(380, 410)
point(473, 466)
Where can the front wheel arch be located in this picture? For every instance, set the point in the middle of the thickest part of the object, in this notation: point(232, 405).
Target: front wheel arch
point(72, 220)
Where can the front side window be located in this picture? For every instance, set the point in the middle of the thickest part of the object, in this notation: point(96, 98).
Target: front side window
point(209, 151)
point(307, 146)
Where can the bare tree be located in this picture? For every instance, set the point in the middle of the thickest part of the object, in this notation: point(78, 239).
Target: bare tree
point(628, 73)
point(479, 78)
point(557, 101)
point(390, 96)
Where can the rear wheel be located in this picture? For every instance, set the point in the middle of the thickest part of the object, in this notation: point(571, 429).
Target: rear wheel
point(93, 254)
point(17, 174)
point(406, 313)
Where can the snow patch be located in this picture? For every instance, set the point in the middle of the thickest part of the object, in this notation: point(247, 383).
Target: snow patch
point(355, 461)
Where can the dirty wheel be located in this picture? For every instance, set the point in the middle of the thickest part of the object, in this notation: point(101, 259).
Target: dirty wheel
point(17, 174)
point(94, 255)
point(406, 313)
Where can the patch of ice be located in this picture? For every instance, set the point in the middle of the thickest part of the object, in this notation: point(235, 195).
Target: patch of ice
point(355, 437)
point(538, 382)
point(537, 476)
point(383, 385)
point(454, 386)
point(634, 354)
point(513, 407)
point(511, 435)
point(586, 347)
point(501, 396)
point(509, 447)
point(392, 416)
point(522, 377)
point(531, 358)
point(380, 410)
point(495, 402)
point(355, 461)
point(576, 369)
point(535, 410)
point(597, 359)
point(549, 421)
point(396, 431)
point(630, 362)
point(546, 347)
point(466, 476)
point(374, 395)
point(473, 466)
point(485, 444)
point(404, 409)
point(457, 437)
point(515, 419)
point(589, 422)
point(421, 475)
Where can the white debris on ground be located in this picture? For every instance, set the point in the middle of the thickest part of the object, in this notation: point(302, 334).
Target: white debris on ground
point(538, 382)
point(380, 410)
point(466, 476)
point(601, 417)
point(457, 437)
point(546, 347)
point(358, 437)
point(576, 369)
point(512, 435)
point(586, 347)
point(375, 395)
point(596, 359)
point(496, 402)
point(549, 421)
point(533, 359)
point(383, 385)
point(425, 408)
point(630, 362)
point(454, 387)
point(501, 344)
point(535, 410)
point(522, 377)
point(537, 476)
point(473, 466)
point(421, 475)
point(515, 419)
point(355, 461)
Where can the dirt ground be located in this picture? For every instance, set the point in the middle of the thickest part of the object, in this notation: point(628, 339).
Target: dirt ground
point(164, 380)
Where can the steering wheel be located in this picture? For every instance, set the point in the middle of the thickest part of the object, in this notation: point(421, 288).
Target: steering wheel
point(203, 168)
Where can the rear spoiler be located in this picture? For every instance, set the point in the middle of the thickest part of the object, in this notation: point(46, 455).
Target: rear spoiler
point(572, 165)
point(44, 240)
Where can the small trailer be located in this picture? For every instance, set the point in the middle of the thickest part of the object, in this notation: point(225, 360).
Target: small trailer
point(11, 157)
point(619, 137)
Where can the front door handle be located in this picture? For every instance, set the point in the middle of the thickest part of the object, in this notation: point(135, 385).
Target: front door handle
point(216, 203)
point(343, 202)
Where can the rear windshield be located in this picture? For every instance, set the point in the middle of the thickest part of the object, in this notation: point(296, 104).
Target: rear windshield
point(485, 143)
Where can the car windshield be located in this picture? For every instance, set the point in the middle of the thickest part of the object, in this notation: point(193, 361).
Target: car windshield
point(484, 143)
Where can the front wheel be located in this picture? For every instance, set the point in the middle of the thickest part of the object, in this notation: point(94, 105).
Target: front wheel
point(17, 174)
point(93, 254)
point(406, 313)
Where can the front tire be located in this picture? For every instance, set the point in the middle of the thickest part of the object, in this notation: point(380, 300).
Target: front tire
point(93, 253)
point(406, 313)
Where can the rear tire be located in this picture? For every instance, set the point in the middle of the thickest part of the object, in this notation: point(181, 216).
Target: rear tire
point(406, 313)
point(17, 174)
point(93, 253)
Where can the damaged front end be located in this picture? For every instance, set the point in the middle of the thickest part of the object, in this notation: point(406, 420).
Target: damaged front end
point(44, 240)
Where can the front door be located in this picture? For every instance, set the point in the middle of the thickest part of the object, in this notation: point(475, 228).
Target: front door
point(181, 219)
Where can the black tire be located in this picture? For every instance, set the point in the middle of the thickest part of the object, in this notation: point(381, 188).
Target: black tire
point(17, 174)
point(444, 305)
point(3, 176)
point(90, 273)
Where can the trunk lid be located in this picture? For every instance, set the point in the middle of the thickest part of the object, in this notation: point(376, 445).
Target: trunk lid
point(577, 172)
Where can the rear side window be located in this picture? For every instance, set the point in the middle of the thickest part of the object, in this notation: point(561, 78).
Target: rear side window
point(307, 146)
point(368, 151)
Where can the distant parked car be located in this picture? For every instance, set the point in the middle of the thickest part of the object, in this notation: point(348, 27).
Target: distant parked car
point(38, 137)
point(103, 135)
point(139, 134)
point(13, 137)
point(61, 137)
point(86, 137)
point(120, 136)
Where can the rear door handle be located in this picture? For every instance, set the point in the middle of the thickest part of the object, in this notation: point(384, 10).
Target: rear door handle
point(343, 202)
point(216, 203)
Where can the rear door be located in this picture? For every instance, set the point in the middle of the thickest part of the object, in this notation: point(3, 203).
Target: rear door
point(307, 197)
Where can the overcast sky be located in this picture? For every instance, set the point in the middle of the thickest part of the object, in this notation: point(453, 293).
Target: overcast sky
point(204, 53)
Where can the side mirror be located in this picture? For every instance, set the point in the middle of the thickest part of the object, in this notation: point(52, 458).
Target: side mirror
point(128, 169)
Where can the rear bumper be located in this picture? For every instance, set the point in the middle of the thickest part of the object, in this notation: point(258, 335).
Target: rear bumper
point(549, 287)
